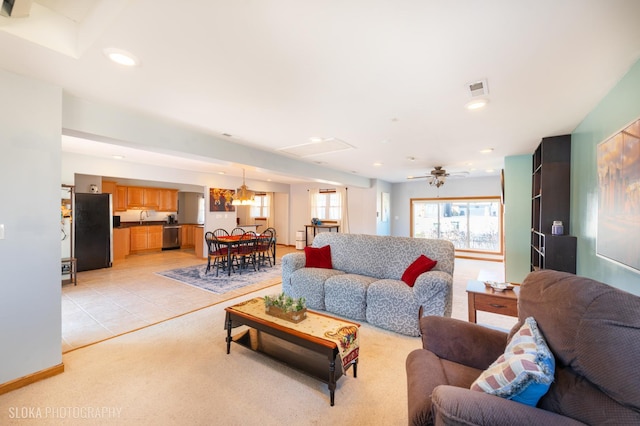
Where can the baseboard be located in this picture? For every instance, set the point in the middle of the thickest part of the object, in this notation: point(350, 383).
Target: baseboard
point(31, 378)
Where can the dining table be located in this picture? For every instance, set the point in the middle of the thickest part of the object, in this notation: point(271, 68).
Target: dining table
point(233, 240)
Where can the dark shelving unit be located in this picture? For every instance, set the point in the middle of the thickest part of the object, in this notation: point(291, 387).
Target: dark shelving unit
point(551, 201)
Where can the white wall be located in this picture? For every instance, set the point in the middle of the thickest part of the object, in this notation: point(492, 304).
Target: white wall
point(30, 317)
point(361, 202)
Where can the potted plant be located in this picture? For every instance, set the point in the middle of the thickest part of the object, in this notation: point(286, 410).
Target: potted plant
point(286, 307)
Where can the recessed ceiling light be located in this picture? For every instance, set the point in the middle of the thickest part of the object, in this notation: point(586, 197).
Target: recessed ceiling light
point(121, 57)
point(316, 139)
point(377, 164)
point(477, 103)
point(490, 170)
point(486, 150)
point(221, 173)
point(118, 157)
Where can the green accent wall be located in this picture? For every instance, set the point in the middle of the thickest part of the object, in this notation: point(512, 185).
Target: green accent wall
point(618, 108)
point(517, 217)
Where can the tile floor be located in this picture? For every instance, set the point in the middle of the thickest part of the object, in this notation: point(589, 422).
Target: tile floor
point(128, 296)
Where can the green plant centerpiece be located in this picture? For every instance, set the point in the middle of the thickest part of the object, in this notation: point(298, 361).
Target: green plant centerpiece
point(286, 307)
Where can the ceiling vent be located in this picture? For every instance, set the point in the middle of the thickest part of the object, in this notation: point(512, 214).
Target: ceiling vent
point(325, 146)
point(15, 8)
point(478, 88)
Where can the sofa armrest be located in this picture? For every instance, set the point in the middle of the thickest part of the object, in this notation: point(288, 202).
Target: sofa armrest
point(459, 341)
point(451, 405)
point(290, 263)
point(433, 293)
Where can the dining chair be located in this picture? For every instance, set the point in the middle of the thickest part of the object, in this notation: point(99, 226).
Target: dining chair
point(237, 231)
point(273, 243)
point(220, 232)
point(216, 252)
point(263, 247)
point(245, 253)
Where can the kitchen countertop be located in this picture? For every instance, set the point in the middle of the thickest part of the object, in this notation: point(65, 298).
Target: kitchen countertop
point(152, 223)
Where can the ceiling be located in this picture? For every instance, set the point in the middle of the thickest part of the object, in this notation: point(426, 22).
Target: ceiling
point(387, 79)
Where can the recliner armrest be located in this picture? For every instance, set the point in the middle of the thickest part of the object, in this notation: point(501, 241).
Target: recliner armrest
point(459, 341)
point(452, 405)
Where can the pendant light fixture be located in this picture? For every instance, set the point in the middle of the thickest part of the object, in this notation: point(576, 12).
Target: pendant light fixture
point(243, 196)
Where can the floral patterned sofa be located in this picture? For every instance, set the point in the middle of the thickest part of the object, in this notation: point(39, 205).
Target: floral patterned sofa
point(365, 283)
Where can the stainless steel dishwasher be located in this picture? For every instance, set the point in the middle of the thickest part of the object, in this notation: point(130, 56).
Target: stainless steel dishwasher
point(171, 237)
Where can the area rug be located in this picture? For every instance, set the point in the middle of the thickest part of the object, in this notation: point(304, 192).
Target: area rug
point(197, 277)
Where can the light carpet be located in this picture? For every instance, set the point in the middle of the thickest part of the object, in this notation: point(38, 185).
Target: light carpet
point(178, 373)
point(197, 276)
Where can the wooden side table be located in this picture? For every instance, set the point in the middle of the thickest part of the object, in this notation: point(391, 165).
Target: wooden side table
point(483, 298)
point(315, 231)
point(69, 266)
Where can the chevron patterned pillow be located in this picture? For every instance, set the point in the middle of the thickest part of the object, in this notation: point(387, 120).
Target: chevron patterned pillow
point(524, 371)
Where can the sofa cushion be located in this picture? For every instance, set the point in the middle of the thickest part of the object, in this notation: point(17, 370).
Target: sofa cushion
point(391, 305)
point(421, 265)
point(346, 295)
point(309, 283)
point(319, 257)
point(524, 372)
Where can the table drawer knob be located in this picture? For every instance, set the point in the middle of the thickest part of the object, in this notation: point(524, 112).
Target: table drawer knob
point(495, 305)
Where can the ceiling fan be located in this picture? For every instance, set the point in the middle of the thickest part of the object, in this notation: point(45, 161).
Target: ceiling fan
point(436, 178)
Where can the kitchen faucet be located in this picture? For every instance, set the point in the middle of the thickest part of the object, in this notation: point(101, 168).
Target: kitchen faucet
point(141, 213)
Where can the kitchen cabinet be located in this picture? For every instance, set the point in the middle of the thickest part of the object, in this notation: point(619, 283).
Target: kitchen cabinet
point(120, 199)
point(121, 243)
point(109, 187)
point(155, 237)
point(146, 237)
point(143, 198)
point(198, 238)
point(187, 236)
point(135, 197)
point(168, 200)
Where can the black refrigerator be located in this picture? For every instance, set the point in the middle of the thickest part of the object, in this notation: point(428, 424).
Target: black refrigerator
point(93, 229)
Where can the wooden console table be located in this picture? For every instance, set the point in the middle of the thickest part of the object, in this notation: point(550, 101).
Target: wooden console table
point(483, 298)
point(315, 230)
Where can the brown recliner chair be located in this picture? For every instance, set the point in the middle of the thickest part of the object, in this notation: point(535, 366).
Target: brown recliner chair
point(593, 331)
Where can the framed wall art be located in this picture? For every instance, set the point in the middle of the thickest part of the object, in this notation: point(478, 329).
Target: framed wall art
point(619, 197)
point(220, 200)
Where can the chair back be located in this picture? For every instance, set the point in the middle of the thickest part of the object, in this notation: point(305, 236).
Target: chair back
point(221, 232)
point(266, 239)
point(237, 231)
point(247, 243)
point(212, 243)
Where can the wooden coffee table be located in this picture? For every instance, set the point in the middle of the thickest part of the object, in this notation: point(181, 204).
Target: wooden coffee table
point(290, 344)
point(483, 298)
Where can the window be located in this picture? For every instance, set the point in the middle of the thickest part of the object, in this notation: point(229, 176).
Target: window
point(201, 209)
point(471, 224)
point(261, 206)
point(327, 205)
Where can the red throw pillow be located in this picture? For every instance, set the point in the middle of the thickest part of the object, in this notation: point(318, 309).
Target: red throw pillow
point(420, 265)
point(318, 257)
